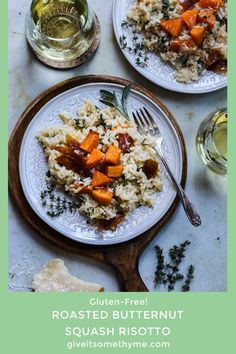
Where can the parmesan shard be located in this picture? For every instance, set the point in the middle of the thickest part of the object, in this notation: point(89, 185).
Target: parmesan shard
point(55, 277)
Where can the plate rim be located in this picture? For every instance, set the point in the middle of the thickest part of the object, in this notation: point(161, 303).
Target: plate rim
point(54, 91)
point(161, 83)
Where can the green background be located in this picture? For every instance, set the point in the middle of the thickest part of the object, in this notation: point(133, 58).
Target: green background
point(208, 324)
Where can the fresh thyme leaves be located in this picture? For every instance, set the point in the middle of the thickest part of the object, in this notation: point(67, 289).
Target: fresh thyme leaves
point(165, 6)
point(168, 273)
point(123, 42)
point(12, 275)
point(48, 174)
point(80, 123)
point(103, 122)
point(110, 99)
point(123, 180)
point(140, 63)
point(137, 46)
point(161, 44)
point(125, 24)
point(55, 205)
point(189, 279)
point(177, 253)
point(159, 274)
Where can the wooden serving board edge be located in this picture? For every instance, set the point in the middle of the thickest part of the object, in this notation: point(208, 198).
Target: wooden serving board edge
point(123, 257)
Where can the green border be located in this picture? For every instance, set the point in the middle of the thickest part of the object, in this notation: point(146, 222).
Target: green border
point(232, 156)
point(208, 325)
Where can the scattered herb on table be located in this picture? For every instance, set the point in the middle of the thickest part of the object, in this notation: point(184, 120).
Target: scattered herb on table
point(189, 279)
point(55, 205)
point(168, 273)
point(110, 99)
point(160, 271)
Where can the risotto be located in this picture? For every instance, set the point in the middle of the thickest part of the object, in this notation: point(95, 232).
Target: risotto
point(100, 158)
point(189, 34)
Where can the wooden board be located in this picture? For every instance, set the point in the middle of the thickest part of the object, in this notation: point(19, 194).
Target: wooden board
point(123, 257)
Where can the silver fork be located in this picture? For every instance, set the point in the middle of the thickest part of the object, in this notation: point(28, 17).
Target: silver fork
point(147, 125)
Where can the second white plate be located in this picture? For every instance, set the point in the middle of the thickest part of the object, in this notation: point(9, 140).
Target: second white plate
point(158, 71)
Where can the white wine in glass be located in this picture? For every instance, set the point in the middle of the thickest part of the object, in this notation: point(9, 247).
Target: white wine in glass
point(212, 141)
point(60, 31)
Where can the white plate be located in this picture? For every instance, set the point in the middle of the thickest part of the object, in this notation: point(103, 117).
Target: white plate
point(33, 165)
point(158, 71)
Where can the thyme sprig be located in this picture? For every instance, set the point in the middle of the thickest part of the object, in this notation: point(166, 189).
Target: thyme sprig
point(137, 46)
point(55, 205)
point(110, 99)
point(103, 122)
point(160, 276)
point(189, 279)
point(168, 273)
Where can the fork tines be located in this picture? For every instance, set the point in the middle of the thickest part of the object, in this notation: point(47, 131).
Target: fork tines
point(145, 121)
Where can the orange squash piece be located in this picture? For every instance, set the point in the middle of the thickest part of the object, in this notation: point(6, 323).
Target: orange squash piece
point(172, 26)
point(177, 44)
point(102, 196)
point(99, 179)
point(214, 4)
point(197, 34)
point(190, 17)
point(113, 155)
point(114, 171)
point(86, 190)
point(94, 159)
point(90, 142)
point(207, 16)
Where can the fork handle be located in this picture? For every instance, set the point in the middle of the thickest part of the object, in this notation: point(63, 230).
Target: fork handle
point(190, 210)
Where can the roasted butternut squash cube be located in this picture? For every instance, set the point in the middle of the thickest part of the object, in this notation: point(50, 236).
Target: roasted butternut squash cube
point(177, 44)
point(197, 34)
point(90, 142)
point(214, 4)
point(172, 26)
point(114, 171)
point(102, 196)
point(113, 155)
point(207, 16)
point(99, 179)
point(94, 159)
point(190, 17)
point(86, 190)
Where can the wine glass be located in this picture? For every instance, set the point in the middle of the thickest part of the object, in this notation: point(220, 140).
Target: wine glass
point(60, 32)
